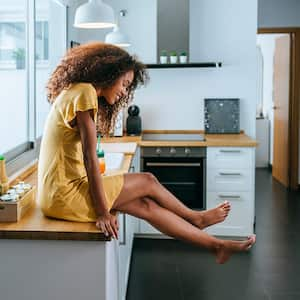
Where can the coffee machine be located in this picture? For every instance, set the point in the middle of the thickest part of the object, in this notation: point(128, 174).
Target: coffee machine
point(134, 121)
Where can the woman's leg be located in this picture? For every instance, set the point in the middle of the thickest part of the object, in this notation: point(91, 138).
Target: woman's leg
point(173, 225)
point(139, 185)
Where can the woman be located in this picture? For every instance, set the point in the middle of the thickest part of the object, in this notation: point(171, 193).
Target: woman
point(92, 82)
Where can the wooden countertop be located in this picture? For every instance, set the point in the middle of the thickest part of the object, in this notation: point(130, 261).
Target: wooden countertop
point(35, 226)
point(211, 140)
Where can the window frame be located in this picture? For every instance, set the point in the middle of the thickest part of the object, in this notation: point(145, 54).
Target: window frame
point(24, 154)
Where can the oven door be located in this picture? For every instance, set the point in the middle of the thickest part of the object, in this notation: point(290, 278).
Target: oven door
point(182, 176)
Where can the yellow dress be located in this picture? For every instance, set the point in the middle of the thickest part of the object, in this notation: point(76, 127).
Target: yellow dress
point(63, 187)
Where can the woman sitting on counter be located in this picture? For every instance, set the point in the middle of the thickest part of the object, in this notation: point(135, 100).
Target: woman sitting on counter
point(87, 89)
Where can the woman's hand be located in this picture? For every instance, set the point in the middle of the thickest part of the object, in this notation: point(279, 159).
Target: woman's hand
point(108, 224)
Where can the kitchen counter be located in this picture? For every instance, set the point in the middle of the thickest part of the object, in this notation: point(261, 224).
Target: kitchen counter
point(35, 226)
point(38, 245)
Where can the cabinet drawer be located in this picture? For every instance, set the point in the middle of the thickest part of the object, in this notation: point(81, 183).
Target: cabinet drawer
point(229, 180)
point(230, 157)
point(240, 220)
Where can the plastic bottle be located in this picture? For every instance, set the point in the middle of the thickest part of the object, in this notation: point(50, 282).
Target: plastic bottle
point(101, 158)
point(3, 177)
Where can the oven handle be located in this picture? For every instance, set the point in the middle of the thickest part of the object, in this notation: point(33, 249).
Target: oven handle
point(162, 164)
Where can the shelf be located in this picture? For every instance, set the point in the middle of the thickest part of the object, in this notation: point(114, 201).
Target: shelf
point(187, 65)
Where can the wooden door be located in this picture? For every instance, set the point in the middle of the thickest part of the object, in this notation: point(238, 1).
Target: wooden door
point(281, 92)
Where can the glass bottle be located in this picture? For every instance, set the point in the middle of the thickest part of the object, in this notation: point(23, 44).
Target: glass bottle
point(3, 177)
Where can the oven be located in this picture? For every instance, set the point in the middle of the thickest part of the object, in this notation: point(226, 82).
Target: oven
point(182, 170)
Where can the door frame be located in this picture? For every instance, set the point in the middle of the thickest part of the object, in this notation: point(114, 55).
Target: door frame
point(294, 99)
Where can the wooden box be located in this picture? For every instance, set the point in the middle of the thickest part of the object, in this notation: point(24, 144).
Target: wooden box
point(13, 211)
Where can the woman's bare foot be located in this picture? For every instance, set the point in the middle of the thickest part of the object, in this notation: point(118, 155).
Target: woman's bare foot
point(211, 216)
point(227, 248)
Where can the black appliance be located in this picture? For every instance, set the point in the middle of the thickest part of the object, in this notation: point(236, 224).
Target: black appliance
point(134, 121)
point(181, 169)
point(222, 115)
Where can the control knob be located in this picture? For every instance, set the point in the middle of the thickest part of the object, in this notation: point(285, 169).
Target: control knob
point(172, 151)
point(187, 151)
point(158, 151)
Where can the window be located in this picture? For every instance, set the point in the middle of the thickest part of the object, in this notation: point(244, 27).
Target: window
point(13, 50)
point(41, 40)
point(29, 50)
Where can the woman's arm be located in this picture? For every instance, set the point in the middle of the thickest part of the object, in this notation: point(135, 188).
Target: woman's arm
point(88, 135)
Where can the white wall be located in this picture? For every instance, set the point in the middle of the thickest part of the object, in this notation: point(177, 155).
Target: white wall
point(278, 13)
point(220, 30)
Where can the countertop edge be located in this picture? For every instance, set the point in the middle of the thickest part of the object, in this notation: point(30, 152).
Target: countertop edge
point(52, 235)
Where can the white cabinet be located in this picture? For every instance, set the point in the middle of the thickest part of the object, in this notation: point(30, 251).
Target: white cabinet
point(74, 270)
point(230, 176)
point(128, 225)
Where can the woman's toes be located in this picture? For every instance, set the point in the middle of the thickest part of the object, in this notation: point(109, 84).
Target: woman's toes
point(224, 206)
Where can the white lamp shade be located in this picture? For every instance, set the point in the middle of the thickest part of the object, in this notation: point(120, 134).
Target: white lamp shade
point(117, 38)
point(94, 14)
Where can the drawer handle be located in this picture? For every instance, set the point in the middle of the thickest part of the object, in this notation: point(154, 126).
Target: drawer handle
point(230, 174)
point(124, 230)
point(230, 196)
point(230, 151)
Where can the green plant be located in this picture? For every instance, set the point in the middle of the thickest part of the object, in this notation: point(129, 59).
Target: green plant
point(19, 54)
point(183, 53)
point(173, 53)
point(163, 53)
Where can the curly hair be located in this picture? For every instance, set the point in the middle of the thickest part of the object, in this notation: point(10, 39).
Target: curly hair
point(101, 65)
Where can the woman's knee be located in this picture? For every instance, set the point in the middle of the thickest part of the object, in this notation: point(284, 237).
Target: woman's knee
point(149, 180)
point(149, 207)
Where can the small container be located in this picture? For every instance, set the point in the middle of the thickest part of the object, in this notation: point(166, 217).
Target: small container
point(100, 154)
point(9, 197)
point(173, 57)
point(101, 158)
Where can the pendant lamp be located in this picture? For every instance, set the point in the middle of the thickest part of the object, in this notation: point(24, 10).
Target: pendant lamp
point(117, 37)
point(94, 14)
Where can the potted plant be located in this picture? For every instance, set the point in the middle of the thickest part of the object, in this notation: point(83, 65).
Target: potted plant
point(183, 57)
point(163, 57)
point(19, 56)
point(173, 57)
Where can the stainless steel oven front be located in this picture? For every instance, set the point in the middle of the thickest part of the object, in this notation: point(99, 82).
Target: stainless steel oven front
point(182, 170)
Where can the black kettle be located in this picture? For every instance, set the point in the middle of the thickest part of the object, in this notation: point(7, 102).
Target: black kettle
point(134, 121)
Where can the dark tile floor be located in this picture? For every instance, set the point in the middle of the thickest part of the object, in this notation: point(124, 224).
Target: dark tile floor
point(169, 269)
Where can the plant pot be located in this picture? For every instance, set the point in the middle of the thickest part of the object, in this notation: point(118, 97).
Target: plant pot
point(183, 59)
point(20, 64)
point(163, 59)
point(173, 59)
